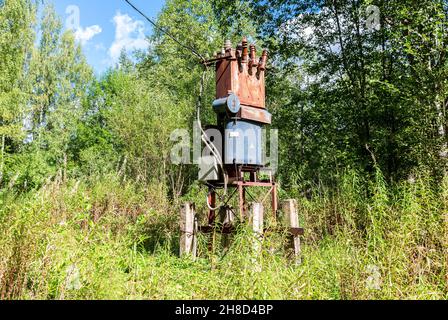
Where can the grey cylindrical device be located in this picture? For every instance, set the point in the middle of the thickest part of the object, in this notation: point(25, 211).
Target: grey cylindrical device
point(230, 104)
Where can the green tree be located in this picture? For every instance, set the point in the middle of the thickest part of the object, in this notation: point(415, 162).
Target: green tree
point(347, 93)
point(59, 79)
point(16, 39)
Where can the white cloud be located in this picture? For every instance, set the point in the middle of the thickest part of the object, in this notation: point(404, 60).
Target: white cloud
point(129, 34)
point(83, 35)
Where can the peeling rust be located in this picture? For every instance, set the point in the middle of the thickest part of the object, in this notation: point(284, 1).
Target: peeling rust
point(235, 73)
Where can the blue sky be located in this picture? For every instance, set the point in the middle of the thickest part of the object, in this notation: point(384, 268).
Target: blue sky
point(105, 27)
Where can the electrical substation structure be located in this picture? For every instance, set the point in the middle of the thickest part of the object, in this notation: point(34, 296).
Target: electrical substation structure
point(233, 161)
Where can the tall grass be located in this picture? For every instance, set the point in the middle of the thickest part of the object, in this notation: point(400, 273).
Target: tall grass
point(109, 240)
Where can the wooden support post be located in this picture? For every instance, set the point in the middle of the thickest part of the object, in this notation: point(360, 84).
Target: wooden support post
point(256, 215)
point(227, 218)
point(291, 220)
point(188, 230)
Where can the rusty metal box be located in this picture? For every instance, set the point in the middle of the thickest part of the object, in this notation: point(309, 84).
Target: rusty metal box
point(240, 72)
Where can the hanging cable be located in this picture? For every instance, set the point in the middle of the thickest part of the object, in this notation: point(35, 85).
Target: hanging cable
point(210, 206)
point(166, 32)
point(204, 137)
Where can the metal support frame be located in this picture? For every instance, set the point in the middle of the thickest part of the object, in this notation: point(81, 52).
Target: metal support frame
point(242, 187)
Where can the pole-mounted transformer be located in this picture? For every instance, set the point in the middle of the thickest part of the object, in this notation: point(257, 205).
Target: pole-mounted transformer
point(240, 107)
point(234, 156)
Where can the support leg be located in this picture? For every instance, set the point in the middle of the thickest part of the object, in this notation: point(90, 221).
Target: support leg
point(291, 219)
point(257, 214)
point(188, 228)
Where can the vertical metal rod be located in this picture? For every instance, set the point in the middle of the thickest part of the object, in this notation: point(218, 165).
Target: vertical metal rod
point(212, 203)
point(211, 218)
point(274, 201)
point(241, 200)
point(245, 59)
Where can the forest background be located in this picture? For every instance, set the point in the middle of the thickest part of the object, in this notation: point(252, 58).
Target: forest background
point(89, 199)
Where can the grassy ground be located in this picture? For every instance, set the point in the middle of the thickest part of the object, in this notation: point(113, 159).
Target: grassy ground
point(106, 240)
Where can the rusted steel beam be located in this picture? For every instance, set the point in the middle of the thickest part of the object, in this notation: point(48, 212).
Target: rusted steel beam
point(254, 184)
point(212, 203)
point(236, 183)
point(274, 200)
point(255, 114)
point(252, 59)
point(262, 63)
point(242, 201)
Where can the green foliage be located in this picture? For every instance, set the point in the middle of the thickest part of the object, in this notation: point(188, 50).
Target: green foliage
point(109, 240)
point(16, 37)
point(89, 197)
point(42, 99)
point(345, 89)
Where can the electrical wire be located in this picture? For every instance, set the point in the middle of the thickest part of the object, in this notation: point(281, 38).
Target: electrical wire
point(204, 136)
point(209, 205)
point(166, 32)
